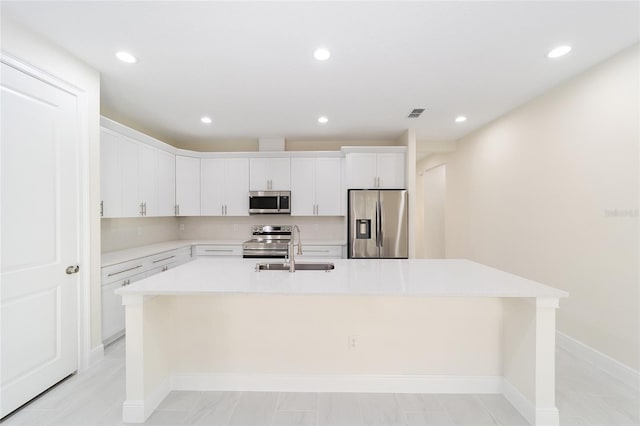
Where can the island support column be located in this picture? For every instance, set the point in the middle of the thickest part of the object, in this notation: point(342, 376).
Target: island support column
point(529, 357)
point(147, 368)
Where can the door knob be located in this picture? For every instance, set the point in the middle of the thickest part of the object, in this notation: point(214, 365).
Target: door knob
point(73, 269)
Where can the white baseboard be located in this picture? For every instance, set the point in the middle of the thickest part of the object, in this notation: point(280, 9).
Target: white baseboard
point(96, 355)
point(337, 383)
point(604, 362)
point(138, 411)
point(535, 416)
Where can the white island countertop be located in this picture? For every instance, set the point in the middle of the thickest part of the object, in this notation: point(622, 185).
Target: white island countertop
point(385, 277)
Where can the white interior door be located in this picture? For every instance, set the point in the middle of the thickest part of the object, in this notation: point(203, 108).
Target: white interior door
point(39, 150)
point(434, 181)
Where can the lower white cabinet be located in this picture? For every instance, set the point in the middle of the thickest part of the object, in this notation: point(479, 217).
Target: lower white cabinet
point(332, 252)
point(128, 272)
point(218, 250)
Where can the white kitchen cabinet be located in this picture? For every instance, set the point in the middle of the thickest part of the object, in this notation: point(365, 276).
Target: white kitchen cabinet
point(375, 170)
point(110, 176)
point(112, 312)
point(323, 251)
point(148, 179)
point(128, 272)
point(316, 187)
point(166, 184)
point(270, 174)
point(128, 160)
point(225, 187)
point(137, 179)
point(187, 186)
point(218, 250)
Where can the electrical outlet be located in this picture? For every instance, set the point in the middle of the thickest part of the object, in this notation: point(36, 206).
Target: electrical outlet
point(352, 342)
point(182, 226)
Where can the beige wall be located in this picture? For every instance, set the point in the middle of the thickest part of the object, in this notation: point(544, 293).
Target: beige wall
point(239, 228)
point(34, 50)
point(124, 233)
point(550, 192)
point(424, 164)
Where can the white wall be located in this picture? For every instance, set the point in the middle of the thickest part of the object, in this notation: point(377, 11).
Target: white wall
point(239, 228)
point(124, 233)
point(32, 49)
point(434, 185)
point(550, 192)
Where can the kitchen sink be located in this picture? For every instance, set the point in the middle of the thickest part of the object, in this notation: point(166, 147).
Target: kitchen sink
point(300, 266)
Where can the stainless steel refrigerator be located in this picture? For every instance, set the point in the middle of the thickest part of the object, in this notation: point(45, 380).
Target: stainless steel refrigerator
point(377, 224)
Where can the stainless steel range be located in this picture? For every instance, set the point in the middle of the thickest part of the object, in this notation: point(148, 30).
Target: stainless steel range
point(268, 241)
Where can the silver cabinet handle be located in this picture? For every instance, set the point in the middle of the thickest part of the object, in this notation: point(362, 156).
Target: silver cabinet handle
point(126, 270)
point(141, 209)
point(222, 209)
point(101, 208)
point(73, 269)
point(177, 209)
point(164, 258)
point(225, 209)
point(220, 250)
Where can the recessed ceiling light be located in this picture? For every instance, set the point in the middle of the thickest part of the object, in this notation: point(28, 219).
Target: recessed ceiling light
point(558, 51)
point(126, 57)
point(322, 54)
point(206, 120)
point(461, 118)
point(323, 120)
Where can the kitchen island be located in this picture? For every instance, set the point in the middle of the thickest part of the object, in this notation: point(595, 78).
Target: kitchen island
point(423, 326)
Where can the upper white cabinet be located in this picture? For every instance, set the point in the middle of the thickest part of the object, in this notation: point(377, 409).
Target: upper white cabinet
point(225, 187)
point(166, 183)
point(266, 174)
point(385, 170)
point(148, 179)
point(316, 187)
point(110, 176)
point(187, 186)
point(137, 179)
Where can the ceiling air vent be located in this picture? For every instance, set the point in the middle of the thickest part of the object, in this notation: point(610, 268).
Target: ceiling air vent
point(415, 113)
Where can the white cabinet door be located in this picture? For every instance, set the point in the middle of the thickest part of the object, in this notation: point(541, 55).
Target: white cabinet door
point(148, 179)
point(112, 311)
point(166, 183)
point(303, 186)
point(128, 160)
point(213, 186)
point(328, 181)
point(110, 176)
point(270, 174)
point(391, 170)
point(259, 176)
point(188, 186)
point(362, 170)
point(237, 187)
point(280, 174)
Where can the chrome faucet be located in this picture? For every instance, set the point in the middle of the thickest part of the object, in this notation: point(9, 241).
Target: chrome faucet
point(291, 256)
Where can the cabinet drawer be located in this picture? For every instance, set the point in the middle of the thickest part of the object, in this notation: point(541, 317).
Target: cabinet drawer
point(334, 252)
point(218, 250)
point(123, 270)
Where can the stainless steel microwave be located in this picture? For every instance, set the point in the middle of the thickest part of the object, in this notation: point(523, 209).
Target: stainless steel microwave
point(270, 202)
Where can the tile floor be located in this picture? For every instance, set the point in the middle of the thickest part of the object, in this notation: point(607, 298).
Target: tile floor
point(585, 396)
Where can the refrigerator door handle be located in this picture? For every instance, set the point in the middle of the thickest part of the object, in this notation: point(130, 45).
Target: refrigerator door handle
point(380, 232)
point(377, 226)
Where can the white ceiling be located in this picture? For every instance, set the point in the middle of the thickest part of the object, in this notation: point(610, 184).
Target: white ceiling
point(250, 65)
